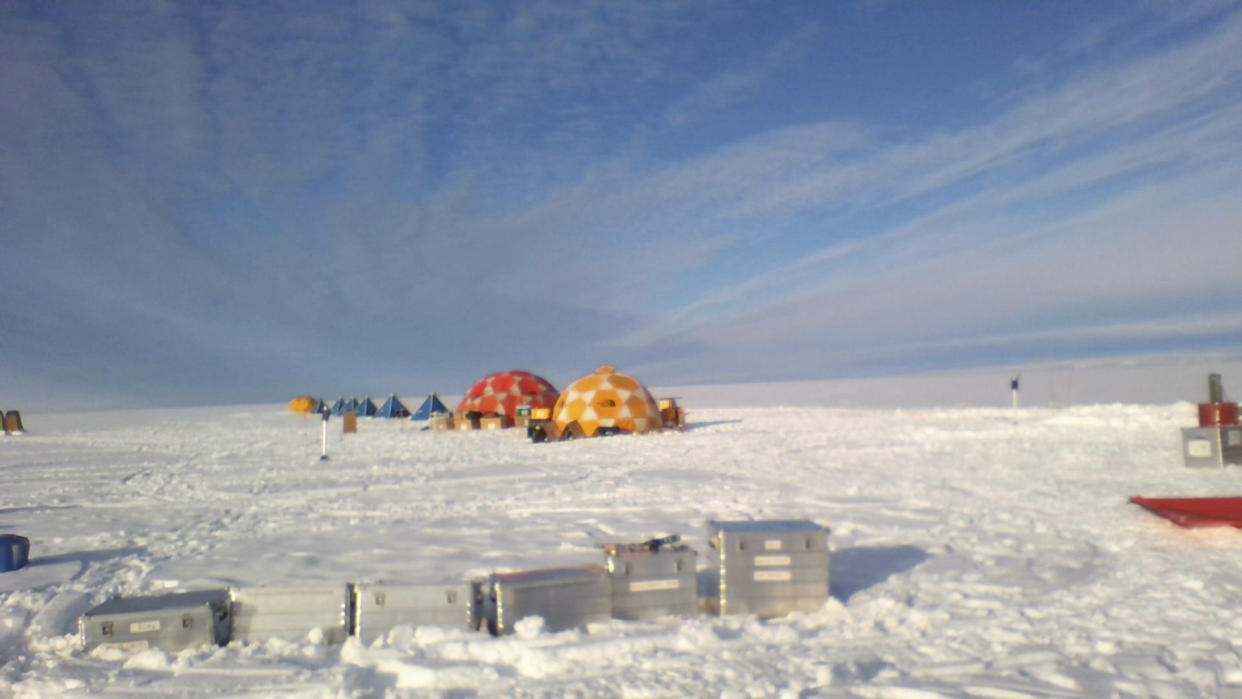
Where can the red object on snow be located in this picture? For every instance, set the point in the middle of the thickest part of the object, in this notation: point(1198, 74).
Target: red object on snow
point(1195, 512)
point(1218, 414)
point(504, 392)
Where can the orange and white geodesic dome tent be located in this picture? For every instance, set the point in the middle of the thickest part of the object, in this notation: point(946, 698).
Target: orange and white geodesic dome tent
point(607, 399)
point(504, 392)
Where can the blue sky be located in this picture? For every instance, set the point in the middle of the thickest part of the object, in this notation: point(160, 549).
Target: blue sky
point(241, 202)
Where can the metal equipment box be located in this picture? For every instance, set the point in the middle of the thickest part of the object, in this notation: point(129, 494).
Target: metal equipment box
point(493, 422)
point(1212, 446)
point(290, 613)
point(566, 598)
point(378, 607)
point(770, 568)
point(440, 421)
point(169, 622)
point(652, 579)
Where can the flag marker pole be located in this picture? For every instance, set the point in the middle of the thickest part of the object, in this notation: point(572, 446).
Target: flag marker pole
point(324, 440)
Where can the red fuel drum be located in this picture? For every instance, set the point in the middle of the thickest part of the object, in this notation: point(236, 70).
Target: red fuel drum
point(1218, 414)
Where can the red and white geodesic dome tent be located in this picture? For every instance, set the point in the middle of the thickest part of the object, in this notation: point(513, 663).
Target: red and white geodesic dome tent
point(504, 392)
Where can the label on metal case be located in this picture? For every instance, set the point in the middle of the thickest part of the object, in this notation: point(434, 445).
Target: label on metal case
point(653, 585)
point(1233, 438)
point(773, 575)
point(144, 626)
point(772, 545)
point(1199, 448)
point(770, 561)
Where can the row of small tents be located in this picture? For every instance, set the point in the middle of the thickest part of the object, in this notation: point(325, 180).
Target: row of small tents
point(392, 408)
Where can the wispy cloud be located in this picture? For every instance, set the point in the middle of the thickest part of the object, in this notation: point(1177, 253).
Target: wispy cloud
point(740, 84)
point(199, 184)
point(1080, 197)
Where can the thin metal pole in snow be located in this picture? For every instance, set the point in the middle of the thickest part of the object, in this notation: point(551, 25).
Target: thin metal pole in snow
point(324, 441)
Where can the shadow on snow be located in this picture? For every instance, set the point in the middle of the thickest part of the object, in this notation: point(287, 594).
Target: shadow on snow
point(856, 569)
point(710, 423)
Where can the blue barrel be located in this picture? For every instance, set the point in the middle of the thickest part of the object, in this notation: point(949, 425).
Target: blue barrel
point(14, 552)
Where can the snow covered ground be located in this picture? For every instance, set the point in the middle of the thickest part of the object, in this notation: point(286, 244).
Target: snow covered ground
point(975, 551)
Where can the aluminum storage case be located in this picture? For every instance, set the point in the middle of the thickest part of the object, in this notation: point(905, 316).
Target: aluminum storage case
point(566, 598)
point(378, 607)
point(652, 579)
point(770, 568)
point(1212, 447)
point(493, 422)
point(290, 613)
point(169, 622)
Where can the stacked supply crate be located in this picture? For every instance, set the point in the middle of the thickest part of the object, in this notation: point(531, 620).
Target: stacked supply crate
point(169, 622)
point(652, 579)
point(770, 568)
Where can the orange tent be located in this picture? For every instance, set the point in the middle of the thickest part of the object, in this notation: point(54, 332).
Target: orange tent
point(303, 405)
point(609, 401)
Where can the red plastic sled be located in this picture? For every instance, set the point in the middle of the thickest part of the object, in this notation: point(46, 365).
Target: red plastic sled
point(1195, 512)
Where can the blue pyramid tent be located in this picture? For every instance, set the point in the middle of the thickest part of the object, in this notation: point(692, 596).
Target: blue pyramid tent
point(338, 408)
point(351, 406)
point(431, 406)
point(366, 408)
point(393, 408)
